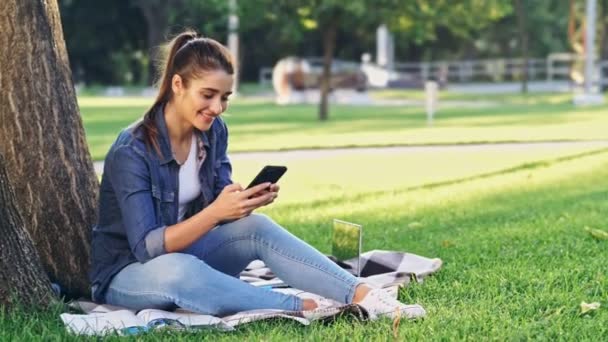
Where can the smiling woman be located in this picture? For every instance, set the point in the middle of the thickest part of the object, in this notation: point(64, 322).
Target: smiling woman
point(173, 230)
point(195, 105)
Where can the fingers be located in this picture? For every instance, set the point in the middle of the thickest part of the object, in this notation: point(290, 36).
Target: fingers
point(272, 188)
point(256, 202)
point(233, 188)
point(251, 191)
point(261, 193)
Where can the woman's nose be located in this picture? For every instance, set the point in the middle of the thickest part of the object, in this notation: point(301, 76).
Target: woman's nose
point(216, 106)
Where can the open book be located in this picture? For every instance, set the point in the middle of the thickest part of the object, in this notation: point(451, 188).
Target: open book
point(104, 319)
point(127, 322)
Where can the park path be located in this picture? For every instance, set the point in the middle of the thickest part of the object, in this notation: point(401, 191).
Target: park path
point(329, 152)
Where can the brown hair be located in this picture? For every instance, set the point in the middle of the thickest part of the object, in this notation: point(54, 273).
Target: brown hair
point(188, 56)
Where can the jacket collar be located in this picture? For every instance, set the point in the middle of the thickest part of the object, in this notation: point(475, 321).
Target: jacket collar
point(164, 143)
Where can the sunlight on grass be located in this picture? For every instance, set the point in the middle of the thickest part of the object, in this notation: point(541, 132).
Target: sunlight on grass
point(311, 178)
point(424, 203)
point(513, 247)
point(265, 126)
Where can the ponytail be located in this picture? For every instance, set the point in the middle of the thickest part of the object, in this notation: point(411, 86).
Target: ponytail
point(148, 124)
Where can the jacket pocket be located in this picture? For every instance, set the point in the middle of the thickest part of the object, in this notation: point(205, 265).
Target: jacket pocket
point(164, 206)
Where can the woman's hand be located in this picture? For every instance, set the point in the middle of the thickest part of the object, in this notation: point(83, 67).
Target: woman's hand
point(274, 188)
point(234, 202)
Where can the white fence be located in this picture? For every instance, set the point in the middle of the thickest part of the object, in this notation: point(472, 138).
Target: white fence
point(556, 67)
point(495, 70)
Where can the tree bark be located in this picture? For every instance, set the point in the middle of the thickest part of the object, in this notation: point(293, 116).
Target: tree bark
point(22, 278)
point(43, 141)
point(329, 44)
point(523, 41)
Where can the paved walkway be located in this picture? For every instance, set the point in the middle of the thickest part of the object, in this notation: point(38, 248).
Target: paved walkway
point(309, 154)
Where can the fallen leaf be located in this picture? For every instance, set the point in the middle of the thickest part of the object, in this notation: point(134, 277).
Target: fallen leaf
point(597, 233)
point(447, 243)
point(396, 322)
point(586, 307)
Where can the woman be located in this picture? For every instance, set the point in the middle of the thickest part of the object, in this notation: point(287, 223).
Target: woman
point(174, 230)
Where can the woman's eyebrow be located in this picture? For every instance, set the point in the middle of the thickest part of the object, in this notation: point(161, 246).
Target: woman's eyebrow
point(217, 91)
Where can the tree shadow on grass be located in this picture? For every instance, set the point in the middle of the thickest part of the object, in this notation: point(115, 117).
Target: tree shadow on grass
point(390, 226)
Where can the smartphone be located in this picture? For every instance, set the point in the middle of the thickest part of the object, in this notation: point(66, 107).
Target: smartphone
point(270, 173)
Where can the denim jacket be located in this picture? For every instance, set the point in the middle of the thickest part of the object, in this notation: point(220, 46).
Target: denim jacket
point(139, 197)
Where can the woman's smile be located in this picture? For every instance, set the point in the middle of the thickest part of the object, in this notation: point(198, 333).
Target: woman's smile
point(206, 118)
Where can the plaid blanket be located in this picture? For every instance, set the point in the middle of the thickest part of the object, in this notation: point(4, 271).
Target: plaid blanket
point(384, 269)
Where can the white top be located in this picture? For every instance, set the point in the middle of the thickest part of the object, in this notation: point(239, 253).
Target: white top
point(189, 184)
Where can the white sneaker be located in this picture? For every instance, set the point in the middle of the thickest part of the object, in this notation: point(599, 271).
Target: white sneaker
point(378, 303)
point(325, 308)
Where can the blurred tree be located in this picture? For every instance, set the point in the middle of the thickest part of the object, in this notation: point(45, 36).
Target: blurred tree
point(103, 52)
point(523, 41)
point(209, 18)
point(106, 41)
point(327, 17)
point(419, 21)
point(427, 29)
point(106, 53)
point(449, 33)
point(269, 31)
point(156, 13)
point(603, 28)
point(166, 18)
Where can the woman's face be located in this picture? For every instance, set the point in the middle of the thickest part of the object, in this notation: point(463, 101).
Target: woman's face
point(204, 98)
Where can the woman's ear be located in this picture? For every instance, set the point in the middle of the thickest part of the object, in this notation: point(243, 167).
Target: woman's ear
point(177, 84)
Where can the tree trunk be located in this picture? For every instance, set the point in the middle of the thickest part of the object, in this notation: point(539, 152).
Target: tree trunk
point(604, 43)
point(22, 278)
point(156, 13)
point(523, 41)
point(43, 141)
point(329, 44)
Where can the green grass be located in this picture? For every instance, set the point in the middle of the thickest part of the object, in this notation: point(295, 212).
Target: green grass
point(257, 125)
point(319, 177)
point(517, 261)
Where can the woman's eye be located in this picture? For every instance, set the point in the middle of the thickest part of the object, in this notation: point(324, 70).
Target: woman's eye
point(225, 99)
point(207, 96)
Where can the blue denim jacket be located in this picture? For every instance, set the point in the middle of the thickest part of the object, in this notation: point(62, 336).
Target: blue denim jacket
point(138, 197)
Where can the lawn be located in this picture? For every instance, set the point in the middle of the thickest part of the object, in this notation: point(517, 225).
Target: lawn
point(517, 260)
point(256, 124)
point(319, 177)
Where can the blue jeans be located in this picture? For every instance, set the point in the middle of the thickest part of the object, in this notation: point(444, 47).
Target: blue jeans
point(204, 277)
